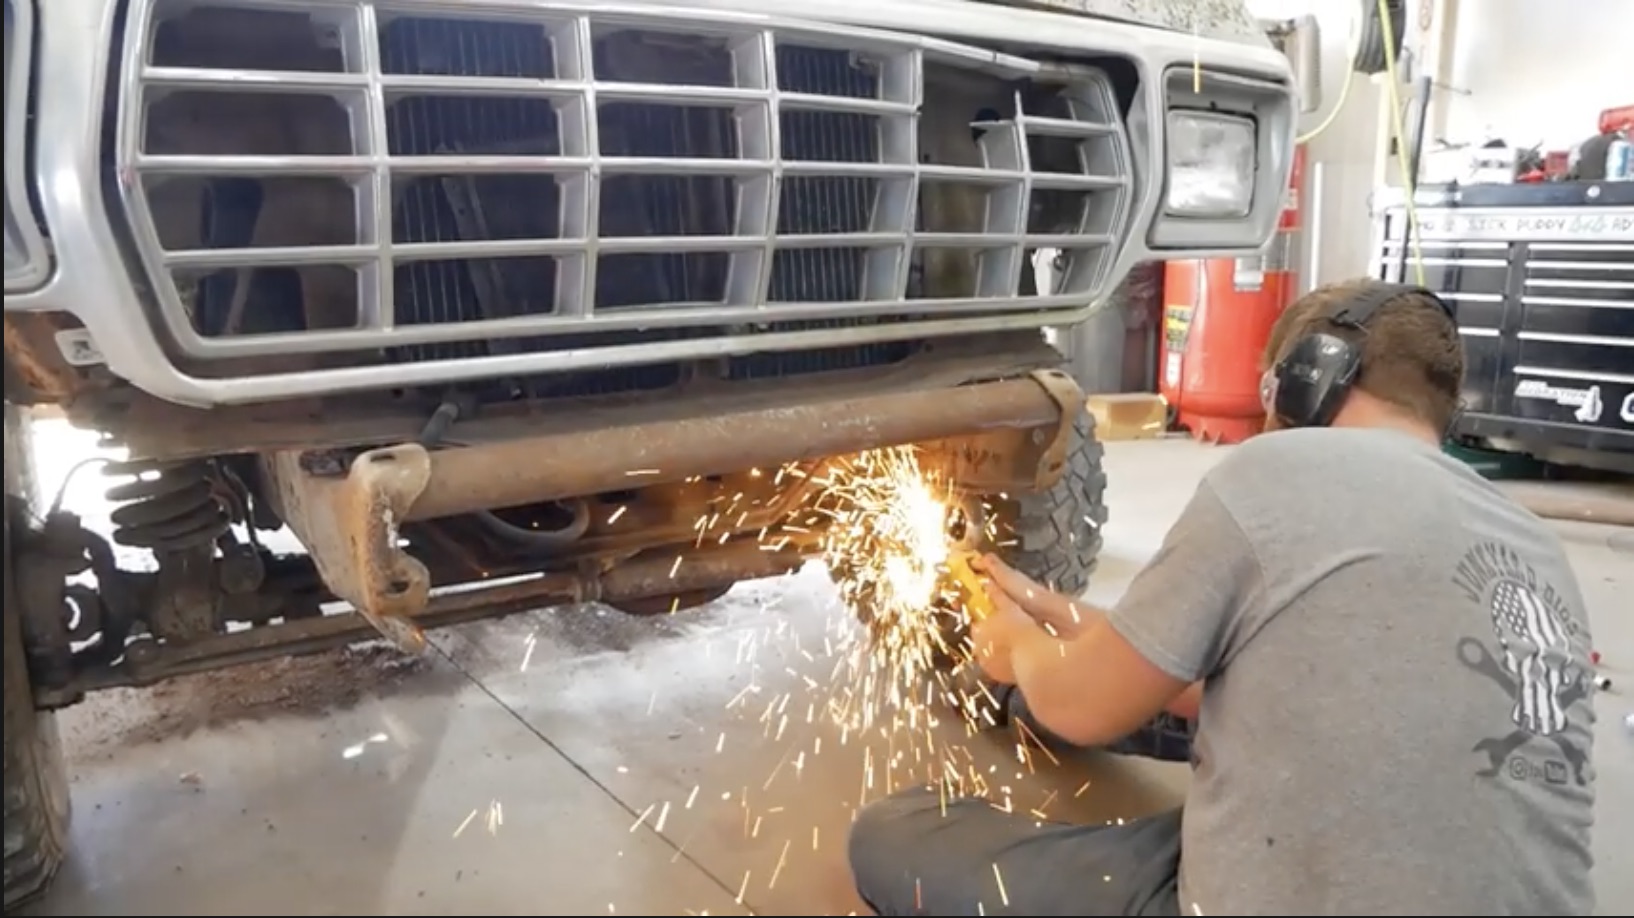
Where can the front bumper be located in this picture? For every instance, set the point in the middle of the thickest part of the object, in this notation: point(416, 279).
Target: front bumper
point(114, 275)
point(1007, 435)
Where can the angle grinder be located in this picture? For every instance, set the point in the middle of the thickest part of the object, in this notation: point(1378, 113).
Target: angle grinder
point(968, 584)
point(966, 535)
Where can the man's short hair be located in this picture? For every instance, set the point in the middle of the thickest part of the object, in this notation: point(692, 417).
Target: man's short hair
point(1412, 356)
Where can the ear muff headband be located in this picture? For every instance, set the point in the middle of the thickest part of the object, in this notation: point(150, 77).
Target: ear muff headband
point(1309, 384)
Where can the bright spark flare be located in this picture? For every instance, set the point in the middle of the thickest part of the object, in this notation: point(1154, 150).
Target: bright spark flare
point(892, 525)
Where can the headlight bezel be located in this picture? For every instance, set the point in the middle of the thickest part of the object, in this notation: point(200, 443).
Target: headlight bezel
point(22, 226)
point(1269, 107)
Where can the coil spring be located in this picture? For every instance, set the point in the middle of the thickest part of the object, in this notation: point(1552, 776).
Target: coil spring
point(167, 506)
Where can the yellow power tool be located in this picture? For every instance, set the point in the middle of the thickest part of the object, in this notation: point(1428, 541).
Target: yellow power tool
point(972, 590)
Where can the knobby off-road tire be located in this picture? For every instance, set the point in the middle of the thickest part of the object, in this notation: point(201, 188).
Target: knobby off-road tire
point(1055, 535)
point(36, 781)
point(1058, 540)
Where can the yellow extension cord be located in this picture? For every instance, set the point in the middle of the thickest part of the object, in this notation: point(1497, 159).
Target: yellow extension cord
point(1398, 129)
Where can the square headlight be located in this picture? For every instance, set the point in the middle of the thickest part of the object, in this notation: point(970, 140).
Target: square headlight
point(1212, 165)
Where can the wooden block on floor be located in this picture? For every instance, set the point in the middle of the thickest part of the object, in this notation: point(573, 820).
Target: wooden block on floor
point(1129, 415)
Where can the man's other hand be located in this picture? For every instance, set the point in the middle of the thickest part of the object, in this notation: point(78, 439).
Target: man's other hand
point(993, 638)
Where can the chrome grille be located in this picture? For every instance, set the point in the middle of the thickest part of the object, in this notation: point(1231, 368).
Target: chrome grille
point(435, 182)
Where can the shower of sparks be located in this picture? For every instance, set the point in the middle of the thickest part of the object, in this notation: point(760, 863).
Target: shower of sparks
point(886, 527)
point(895, 690)
point(889, 526)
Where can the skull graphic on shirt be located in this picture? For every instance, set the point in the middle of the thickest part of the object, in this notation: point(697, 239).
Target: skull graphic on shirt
point(1536, 652)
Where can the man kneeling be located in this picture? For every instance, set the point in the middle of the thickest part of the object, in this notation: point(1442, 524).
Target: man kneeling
point(1386, 660)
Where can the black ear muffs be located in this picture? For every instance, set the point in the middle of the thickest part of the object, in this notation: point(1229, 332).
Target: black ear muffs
point(1314, 379)
point(1310, 384)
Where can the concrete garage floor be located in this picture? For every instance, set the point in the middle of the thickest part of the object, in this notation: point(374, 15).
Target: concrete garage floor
point(581, 762)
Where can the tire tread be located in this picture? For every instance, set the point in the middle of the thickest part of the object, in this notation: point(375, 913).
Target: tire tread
point(1058, 531)
point(35, 779)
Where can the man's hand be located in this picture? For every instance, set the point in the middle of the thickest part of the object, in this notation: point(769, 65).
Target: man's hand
point(1059, 614)
point(994, 637)
point(1041, 641)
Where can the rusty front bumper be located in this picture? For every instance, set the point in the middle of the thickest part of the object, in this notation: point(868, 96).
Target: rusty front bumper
point(1005, 435)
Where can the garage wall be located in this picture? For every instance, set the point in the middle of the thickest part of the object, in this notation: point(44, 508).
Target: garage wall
point(1342, 160)
point(1533, 71)
point(1505, 65)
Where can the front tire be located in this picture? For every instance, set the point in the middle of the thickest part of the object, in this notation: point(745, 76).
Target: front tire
point(1054, 536)
point(36, 779)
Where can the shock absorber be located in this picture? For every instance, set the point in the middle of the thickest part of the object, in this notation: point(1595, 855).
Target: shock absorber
point(168, 507)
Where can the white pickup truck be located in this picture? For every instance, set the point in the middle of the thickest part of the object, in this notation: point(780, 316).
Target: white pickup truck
point(487, 302)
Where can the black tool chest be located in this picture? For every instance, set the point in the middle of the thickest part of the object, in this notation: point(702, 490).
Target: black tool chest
point(1542, 280)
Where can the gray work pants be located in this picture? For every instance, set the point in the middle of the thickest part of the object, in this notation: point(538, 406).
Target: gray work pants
point(918, 853)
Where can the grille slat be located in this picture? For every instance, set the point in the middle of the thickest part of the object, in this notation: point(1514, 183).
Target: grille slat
point(544, 176)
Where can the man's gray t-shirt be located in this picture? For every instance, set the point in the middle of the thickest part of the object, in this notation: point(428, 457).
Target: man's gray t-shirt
point(1397, 715)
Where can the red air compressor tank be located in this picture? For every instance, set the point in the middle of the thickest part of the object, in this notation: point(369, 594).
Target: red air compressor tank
point(1217, 317)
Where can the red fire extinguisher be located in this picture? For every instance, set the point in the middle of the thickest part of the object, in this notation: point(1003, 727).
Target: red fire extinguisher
point(1217, 318)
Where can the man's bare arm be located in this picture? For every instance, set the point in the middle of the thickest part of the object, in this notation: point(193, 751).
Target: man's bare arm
point(1093, 689)
point(1077, 616)
point(1067, 618)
